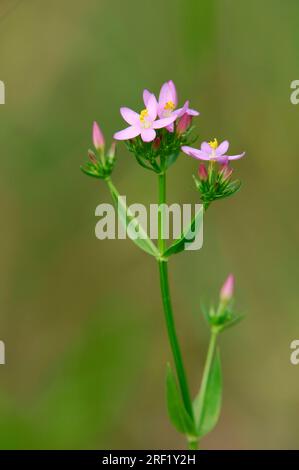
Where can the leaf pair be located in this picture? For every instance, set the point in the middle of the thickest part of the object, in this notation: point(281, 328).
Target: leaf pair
point(206, 406)
point(207, 403)
point(139, 236)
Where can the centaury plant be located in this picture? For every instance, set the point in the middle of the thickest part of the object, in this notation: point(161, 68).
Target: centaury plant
point(156, 136)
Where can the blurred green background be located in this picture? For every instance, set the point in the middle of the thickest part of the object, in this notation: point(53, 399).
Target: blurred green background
point(81, 318)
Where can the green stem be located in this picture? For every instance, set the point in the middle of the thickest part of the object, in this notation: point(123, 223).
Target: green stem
point(206, 372)
point(161, 212)
point(192, 444)
point(111, 186)
point(163, 269)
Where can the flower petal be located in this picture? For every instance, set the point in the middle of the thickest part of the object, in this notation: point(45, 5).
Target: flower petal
point(166, 94)
point(146, 96)
point(164, 122)
point(147, 135)
point(173, 93)
point(179, 112)
point(152, 106)
point(128, 133)
point(222, 159)
point(205, 147)
point(170, 128)
point(129, 115)
point(195, 153)
point(193, 112)
point(222, 148)
point(189, 111)
point(234, 157)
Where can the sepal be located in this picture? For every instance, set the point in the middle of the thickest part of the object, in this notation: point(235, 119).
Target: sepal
point(100, 165)
point(215, 183)
point(163, 152)
point(221, 318)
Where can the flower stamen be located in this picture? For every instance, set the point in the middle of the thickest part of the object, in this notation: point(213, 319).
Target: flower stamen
point(143, 115)
point(169, 106)
point(213, 143)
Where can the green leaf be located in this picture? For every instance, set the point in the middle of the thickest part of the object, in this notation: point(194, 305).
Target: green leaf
point(188, 235)
point(90, 172)
point(132, 225)
point(171, 159)
point(176, 410)
point(234, 321)
point(206, 312)
point(207, 406)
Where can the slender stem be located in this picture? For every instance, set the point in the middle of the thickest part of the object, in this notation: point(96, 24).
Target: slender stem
point(111, 185)
point(206, 371)
point(163, 269)
point(192, 444)
point(161, 212)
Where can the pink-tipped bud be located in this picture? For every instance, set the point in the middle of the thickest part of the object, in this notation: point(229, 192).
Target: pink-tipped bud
point(92, 157)
point(202, 172)
point(226, 171)
point(184, 123)
point(227, 290)
point(156, 144)
point(97, 137)
point(112, 150)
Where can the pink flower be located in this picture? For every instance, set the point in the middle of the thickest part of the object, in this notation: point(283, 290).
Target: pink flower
point(168, 102)
point(143, 124)
point(227, 289)
point(97, 137)
point(212, 151)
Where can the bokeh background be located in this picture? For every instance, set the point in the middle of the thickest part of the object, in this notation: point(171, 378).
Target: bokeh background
point(81, 318)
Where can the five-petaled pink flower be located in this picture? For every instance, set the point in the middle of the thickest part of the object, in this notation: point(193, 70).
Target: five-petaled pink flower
point(212, 151)
point(168, 102)
point(143, 124)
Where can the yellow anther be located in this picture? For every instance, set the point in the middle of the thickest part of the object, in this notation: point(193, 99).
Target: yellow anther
point(213, 144)
point(169, 106)
point(143, 114)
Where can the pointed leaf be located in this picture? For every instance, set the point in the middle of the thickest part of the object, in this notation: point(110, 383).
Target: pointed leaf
point(171, 159)
point(176, 410)
point(236, 319)
point(207, 407)
point(132, 225)
point(188, 235)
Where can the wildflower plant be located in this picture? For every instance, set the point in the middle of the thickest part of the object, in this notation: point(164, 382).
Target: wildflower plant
point(156, 136)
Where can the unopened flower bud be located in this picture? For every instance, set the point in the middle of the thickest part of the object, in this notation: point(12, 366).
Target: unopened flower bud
point(97, 137)
point(111, 153)
point(227, 290)
point(156, 143)
point(202, 172)
point(226, 171)
point(184, 123)
point(92, 157)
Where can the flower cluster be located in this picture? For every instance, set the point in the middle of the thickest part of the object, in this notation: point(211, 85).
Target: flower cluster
point(156, 134)
point(100, 164)
point(146, 123)
point(214, 182)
